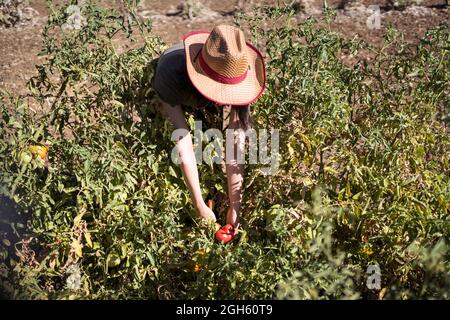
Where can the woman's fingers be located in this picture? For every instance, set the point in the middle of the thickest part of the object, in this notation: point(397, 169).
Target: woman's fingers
point(206, 213)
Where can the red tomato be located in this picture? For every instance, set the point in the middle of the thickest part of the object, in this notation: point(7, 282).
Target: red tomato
point(226, 233)
point(228, 228)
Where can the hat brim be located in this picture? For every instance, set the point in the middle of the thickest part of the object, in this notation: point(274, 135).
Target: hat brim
point(242, 93)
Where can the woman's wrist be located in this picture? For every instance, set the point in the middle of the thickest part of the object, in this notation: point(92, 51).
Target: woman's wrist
point(199, 204)
point(235, 207)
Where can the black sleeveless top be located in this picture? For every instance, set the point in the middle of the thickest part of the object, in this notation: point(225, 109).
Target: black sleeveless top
point(172, 82)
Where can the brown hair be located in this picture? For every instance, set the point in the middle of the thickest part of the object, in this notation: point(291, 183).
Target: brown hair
point(243, 113)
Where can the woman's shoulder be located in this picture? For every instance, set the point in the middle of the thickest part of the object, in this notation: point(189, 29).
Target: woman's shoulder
point(171, 80)
point(177, 48)
point(172, 61)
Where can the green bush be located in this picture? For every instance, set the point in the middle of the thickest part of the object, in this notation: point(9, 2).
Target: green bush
point(363, 177)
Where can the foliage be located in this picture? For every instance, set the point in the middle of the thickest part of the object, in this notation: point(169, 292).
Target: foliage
point(363, 177)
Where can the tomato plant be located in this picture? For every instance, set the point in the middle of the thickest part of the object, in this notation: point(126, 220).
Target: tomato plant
point(363, 176)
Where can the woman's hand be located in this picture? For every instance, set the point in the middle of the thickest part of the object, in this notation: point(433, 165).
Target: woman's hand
point(204, 212)
point(233, 217)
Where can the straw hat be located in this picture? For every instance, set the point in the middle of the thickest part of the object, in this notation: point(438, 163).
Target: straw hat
point(223, 67)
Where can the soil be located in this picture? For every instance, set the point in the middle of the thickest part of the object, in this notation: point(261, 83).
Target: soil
point(20, 44)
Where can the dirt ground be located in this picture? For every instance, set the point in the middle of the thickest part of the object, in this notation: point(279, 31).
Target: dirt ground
point(20, 44)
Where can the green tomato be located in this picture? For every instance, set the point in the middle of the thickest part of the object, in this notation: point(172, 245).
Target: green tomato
point(113, 260)
point(25, 157)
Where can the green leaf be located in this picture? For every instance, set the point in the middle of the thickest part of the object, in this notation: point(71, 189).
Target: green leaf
point(76, 246)
point(87, 236)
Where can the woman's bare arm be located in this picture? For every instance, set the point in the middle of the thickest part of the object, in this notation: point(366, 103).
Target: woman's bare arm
point(188, 162)
point(235, 171)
